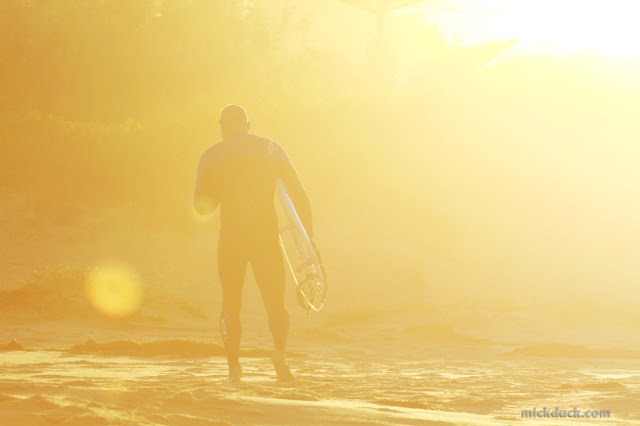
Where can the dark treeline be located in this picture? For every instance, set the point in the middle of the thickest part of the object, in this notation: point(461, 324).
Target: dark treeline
point(110, 60)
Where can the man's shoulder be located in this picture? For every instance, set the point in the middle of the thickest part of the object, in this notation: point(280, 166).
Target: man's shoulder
point(262, 140)
point(251, 145)
point(273, 148)
point(215, 149)
point(211, 154)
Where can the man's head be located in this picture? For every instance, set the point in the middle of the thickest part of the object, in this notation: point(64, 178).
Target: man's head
point(233, 119)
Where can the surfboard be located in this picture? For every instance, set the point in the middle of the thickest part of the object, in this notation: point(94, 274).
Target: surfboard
point(302, 257)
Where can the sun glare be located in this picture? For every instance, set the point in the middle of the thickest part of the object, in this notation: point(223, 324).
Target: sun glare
point(114, 289)
point(544, 26)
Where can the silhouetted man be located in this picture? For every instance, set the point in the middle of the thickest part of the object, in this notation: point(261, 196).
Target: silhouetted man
point(239, 173)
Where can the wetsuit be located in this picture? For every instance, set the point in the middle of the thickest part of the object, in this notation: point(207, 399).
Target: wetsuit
point(240, 173)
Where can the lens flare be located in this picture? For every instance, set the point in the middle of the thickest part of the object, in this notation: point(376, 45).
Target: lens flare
point(114, 289)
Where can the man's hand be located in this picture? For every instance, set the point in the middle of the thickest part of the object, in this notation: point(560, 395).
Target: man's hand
point(205, 205)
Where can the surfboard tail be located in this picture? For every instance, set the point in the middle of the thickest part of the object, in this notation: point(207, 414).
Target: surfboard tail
point(301, 253)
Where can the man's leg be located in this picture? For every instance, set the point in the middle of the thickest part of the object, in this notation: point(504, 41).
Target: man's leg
point(268, 270)
point(232, 266)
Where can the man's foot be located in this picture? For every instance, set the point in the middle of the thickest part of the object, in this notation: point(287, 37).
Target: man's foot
point(235, 374)
point(282, 368)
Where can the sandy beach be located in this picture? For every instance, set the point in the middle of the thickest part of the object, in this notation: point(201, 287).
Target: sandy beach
point(468, 170)
point(360, 373)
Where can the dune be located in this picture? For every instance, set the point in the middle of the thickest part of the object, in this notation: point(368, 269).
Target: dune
point(12, 346)
point(564, 350)
point(440, 333)
point(359, 315)
point(320, 335)
point(59, 294)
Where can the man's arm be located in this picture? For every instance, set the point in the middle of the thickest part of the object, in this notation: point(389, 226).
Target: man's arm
point(298, 195)
point(204, 199)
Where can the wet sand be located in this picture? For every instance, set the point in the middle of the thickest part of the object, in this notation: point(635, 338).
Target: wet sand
point(340, 380)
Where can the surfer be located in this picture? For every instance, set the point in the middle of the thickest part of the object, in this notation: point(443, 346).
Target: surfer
point(239, 174)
